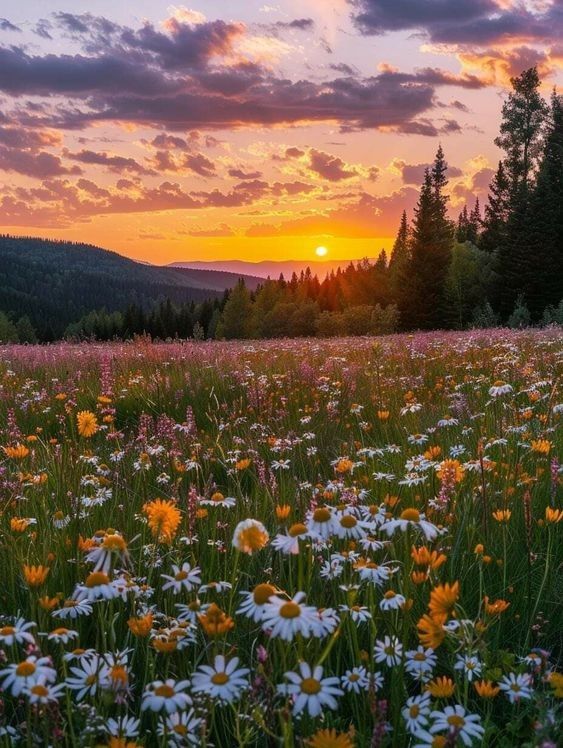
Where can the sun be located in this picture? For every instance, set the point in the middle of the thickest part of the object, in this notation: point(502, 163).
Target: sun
point(321, 251)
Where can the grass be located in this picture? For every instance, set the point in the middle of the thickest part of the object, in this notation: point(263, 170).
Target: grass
point(375, 438)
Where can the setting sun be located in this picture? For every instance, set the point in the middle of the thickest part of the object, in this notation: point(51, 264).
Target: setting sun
point(321, 251)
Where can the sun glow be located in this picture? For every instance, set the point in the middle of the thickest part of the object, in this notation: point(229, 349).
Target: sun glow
point(321, 251)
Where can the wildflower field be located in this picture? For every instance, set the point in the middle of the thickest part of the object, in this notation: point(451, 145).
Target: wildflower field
point(354, 542)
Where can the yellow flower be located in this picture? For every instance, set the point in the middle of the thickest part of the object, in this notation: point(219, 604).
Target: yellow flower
point(35, 576)
point(87, 423)
point(344, 465)
point(250, 536)
point(451, 468)
point(423, 557)
point(495, 608)
point(540, 446)
point(17, 452)
point(243, 464)
point(163, 518)
point(553, 516)
point(330, 739)
point(430, 632)
point(283, 511)
point(502, 515)
point(486, 689)
point(383, 415)
point(141, 627)
point(442, 601)
point(432, 453)
point(441, 688)
point(215, 622)
point(48, 603)
point(556, 682)
point(19, 524)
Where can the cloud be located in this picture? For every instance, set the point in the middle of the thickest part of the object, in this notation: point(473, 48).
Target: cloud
point(463, 22)
point(39, 165)
point(240, 174)
point(223, 230)
point(190, 75)
point(414, 173)
point(366, 216)
point(6, 25)
point(329, 167)
point(114, 163)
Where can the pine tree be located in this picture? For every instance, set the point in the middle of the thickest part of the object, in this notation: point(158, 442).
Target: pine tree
point(523, 116)
point(399, 254)
point(545, 221)
point(236, 319)
point(462, 226)
point(474, 224)
point(422, 298)
point(495, 220)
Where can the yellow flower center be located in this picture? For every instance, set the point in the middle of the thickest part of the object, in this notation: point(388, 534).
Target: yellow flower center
point(321, 515)
point(164, 690)
point(348, 521)
point(310, 686)
point(7, 631)
point(262, 593)
point(219, 679)
point(96, 579)
point(39, 690)
point(297, 529)
point(25, 669)
point(411, 515)
point(456, 721)
point(181, 575)
point(290, 610)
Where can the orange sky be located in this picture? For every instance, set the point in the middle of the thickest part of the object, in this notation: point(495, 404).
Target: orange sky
point(252, 130)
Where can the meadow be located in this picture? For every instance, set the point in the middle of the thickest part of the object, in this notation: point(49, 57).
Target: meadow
point(353, 542)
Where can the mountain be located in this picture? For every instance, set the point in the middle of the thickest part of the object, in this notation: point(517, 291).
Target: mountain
point(267, 268)
point(61, 281)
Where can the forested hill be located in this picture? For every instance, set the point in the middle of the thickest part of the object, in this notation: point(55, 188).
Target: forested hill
point(55, 283)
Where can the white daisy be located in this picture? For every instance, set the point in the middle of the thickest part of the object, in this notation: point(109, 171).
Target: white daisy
point(389, 650)
point(223, 680)
point(168, 695)
point(285, 618)
point(456, 721)
point(310, 691)
point(184, 578)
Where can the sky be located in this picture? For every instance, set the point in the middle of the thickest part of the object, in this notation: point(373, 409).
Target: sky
point(253, 130)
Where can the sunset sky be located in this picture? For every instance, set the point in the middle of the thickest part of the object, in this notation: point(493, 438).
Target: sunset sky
point(252, 130)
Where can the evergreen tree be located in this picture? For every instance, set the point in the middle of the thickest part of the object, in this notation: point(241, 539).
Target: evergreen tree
point(236, 320)
point(399, 253)
point(495, 220)
point(422, 300)
point(474, 224)
point(545, 221)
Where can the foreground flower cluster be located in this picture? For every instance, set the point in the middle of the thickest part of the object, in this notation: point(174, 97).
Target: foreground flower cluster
point(329, 544)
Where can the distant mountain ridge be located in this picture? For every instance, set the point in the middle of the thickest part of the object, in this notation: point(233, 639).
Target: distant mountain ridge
point(266, 268)
point(61, 281)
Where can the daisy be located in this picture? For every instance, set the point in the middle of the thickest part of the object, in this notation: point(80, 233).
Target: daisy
point(470, 665)
point(217, 499)
point(388, 651)
point(181, 728)
point(411, 518)
point(17, 633)
point(62, 635)
point(392, 601)
point(349, 527)
point(73, 609)
point(310, 691)
point(250, 536)
point(377, 574)
point(21, 676)
point(222, 680)
point(517, 686)
point(97, 586)
point(500, 388)
point(420, 662)
point(89, 678)
point(355, 680)
point(124, 727)
point(169, 695)
point(358, 613)
point(44, 693)
point(416, 711)
point(288, 542)
point(321, 523)
point(184, 578)
point(456, 721)
point(113, 548)
point(254, 603)
point(327, 622)
point(285, 618)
